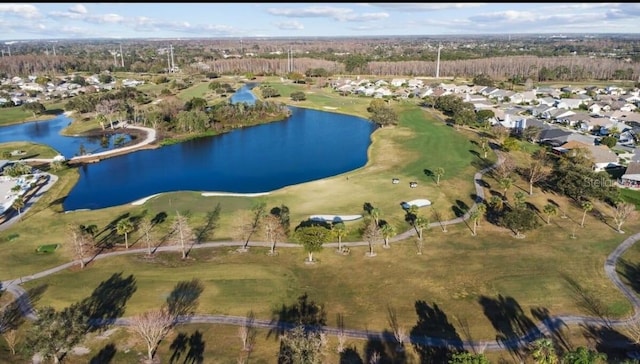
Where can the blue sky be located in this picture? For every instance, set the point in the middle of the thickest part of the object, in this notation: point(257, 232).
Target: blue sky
point(21, 21)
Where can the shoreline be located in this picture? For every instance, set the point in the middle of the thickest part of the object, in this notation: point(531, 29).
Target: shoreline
point(205, 194)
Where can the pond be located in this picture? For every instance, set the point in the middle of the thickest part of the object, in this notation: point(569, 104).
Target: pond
point(308, 145)
point(48, 132)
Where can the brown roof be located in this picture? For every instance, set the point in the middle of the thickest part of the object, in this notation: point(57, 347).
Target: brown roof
point(633, 168)
point(600, 153)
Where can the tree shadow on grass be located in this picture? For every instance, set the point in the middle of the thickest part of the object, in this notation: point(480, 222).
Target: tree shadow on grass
point(350, 356)
point(630, 272)
point(554, 327)
point(429, 173)
point(609, 341)
point(382, 349)
point(191, 345)
point(183, 299)
point(108, 237)
point(514, 329)
point(107, 302)
point(460, 208)
point(302, 312)
point(434, 338)
point(14, 313)
point(587, 301)
point(105, 355)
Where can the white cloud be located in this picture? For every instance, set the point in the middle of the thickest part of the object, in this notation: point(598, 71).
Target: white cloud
point(290, 25)
point(27, 11)
point(506, 16)
point(339, 14)
point(105, 18)
point(78, 9)
point(411, 7)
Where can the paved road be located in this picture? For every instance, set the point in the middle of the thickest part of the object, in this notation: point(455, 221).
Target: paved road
point(544, 328)
point(150, 138)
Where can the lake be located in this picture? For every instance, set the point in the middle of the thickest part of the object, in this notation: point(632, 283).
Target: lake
point(308, 145)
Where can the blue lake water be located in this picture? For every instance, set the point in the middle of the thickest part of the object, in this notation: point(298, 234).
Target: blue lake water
point(307, 146)
point(48, 132)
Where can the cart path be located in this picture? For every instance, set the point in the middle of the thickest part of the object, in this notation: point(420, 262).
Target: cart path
point(544, 328)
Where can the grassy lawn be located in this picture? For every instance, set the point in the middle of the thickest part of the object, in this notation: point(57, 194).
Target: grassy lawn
point(13, 115)
point(197, 90)
point(32, 150)
point(555, 268)
point(632, 196)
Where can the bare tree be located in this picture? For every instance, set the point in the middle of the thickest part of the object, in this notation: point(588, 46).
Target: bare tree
point(535, 173)
point(247, 332)
point(274, 231)
point(82, 243)
point(145, 227)
point(399, 332)
point(152, 326)
point(108, 108)
point(183, 232)
point(622, 212)
point(504, 169)
point(249, 224)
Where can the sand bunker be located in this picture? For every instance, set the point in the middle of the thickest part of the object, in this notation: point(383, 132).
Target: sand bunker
point(421, 202)
point(334, 218)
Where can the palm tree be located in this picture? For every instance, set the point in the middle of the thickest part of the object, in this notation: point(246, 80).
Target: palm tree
point(496, 202)
point(543, 352)
point(474, 216)
point(387, 232)
point(482, 209)
point(549, 210)
point(339, 230)
point(420, 224)
point(586, 207)
point(505, 183)
point(439, 172)
point(124, 227)
point(519, 199)
point(18, 204)
point(375, 214)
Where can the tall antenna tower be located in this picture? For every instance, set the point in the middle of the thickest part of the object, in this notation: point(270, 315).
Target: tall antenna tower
point(173, 64)
point(9, 50)
point(54, 50)
point(121, 57)
point(115, 60)
point(289, 60)
point(438, 62)
point(168, 62)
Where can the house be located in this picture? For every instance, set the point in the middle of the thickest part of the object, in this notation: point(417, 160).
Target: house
point(557, 114)
point(548, 101)
point(602, 156)
point(541, 109)
point(415, 83)
point(554, 136)
point(631, 176)
point(398, 82)
point(568, 104)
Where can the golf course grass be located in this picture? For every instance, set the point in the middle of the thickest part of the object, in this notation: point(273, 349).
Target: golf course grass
point(552, 269)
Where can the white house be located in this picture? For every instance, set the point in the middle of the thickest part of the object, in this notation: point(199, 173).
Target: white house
point(397, 82)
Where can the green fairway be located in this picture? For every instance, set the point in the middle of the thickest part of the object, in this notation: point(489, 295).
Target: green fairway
point(31, 150)
point(631, 196)
point(48, 248)
point(557, 268)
